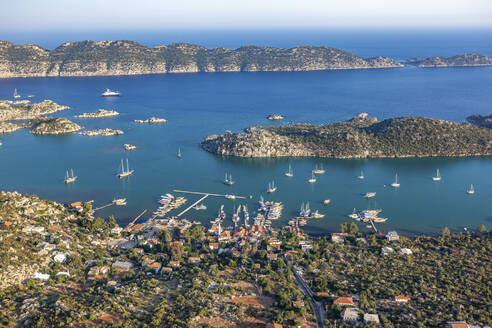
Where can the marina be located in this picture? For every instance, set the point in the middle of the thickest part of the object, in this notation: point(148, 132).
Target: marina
point(419, 205)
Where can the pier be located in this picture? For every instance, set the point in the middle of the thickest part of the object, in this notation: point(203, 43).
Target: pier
point(131, 224)
point(104, 206)
point(191, 206)
point(206, 193)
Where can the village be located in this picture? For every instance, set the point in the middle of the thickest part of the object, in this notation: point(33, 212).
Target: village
point(246, 274)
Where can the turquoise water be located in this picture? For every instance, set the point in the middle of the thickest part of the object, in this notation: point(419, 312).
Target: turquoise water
point(197, 105)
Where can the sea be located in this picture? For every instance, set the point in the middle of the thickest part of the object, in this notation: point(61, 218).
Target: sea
point(200, 104)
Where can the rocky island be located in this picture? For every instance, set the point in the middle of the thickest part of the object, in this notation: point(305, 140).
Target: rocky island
point(152, 120)
point(460, 60)
point(359, 137)
point(99, 113)
point(58, 125)
point(275, 117)
point(12, 111)
point(102, 132)
point(481, 120)
point(89, 58)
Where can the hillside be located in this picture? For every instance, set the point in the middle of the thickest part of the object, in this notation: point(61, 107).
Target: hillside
point(360, 137)
point(460, 60)
point(89, 58)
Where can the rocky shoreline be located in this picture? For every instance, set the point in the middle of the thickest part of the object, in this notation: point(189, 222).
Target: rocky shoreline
point(54, 126)
point(480, 120)
point(152, 120)
point(460, 60)
point(102, 132)
point(99, 113)
point(360, 137)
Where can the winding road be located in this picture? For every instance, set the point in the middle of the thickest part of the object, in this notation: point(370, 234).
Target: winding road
point(318, 307)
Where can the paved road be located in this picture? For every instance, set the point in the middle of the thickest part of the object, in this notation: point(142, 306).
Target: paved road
point(318, 308)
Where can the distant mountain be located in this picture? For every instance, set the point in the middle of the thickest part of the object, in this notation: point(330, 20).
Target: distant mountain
point(460, 60)
point(481, 120)
point(89, 58)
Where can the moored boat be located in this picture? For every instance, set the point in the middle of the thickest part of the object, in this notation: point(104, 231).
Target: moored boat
point(119, 202)
point(319, 170)
point(437, 177)
point(289, 174)
point(109, 93)
point(471, 191)
point(396, 184)
point(370, 195)
point(313, 179)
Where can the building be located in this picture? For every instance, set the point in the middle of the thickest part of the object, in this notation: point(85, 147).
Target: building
point(457, 324)
point(392, 235)
point(41, 276)
point(60, 257)
point(350, 314)
point(272, 257)
point(98, 270)
point(194, 259)
point(122, 265)
point(387, 250)
point(338, 237)
point(371, 318)
point(322, 294)
point(401, 299)
point(174, 264)
point(344, 301)
point(156, 266)
point(406, 251)
point(273, 325)
point(298, 303)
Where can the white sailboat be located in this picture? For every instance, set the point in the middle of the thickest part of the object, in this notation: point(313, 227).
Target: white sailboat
point(271, 187)
point(125, 172)
point(319, 170)
point(471, 191)
point(228, 180)
point(179, 153)
point(16, 95)
point(370, 195)
point(361, 176)
point(313, 179)
point(437, 177)
point(70, 179)
point(289, 174)
point(396, 184)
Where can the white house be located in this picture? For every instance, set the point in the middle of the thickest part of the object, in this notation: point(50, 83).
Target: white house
point(41, 276)
point(60, 257)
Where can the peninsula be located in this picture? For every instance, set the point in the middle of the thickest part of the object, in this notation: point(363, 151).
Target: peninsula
point(480, 120)
point(460, 60)
point(58, 125)
point(359, 137)
point(89, 58)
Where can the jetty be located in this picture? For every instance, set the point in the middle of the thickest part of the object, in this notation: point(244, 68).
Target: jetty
point(103, 206)
point(192, 205)
point(208, 194)
point(131, 224)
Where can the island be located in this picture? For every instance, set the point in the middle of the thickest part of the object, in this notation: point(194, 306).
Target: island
point(89, 58)
point(58, 125)
point(481, 120)
point(62, 265)
point(275, 117)
point(22, 110)
point(99, 113)
point(359, 137)
point(460, 60)
point(152, 120)
point(102, 132)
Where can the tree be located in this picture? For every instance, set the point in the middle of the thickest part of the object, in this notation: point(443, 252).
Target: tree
point(112, 221)
point(445, 232)
point(481, 229)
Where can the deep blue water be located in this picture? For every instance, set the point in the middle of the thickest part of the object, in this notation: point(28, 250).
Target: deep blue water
point(197, 105)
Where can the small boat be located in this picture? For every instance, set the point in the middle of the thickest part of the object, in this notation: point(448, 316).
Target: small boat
point(271, 187)
point(316, 215)
point(437, 177)
point(326, 202)
point(361, 176)
point(179, 153)
point(396, 184)
point(30, 96)
point(16, 95)
point(119, 202)
point(200, 207)
point(229, 196)
point(305, 211)
point(129, 147)
point(471, 191)
point(370, 195)
point(354, 215)
point(368, 226)
point(319, 170)
point(1, 143)
point(125, 172)
point(109, 93)
point(379, 220)
point(313, 179)
point(70, 179)
point(228, 180)
point(289, 174)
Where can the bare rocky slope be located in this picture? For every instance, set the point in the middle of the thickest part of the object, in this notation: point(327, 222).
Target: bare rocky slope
point(89, 58)
point(360, 137)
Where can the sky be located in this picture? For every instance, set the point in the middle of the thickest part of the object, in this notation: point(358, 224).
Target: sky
point(244, 14)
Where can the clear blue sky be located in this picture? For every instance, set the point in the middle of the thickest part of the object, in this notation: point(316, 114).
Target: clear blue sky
point(162, 14)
